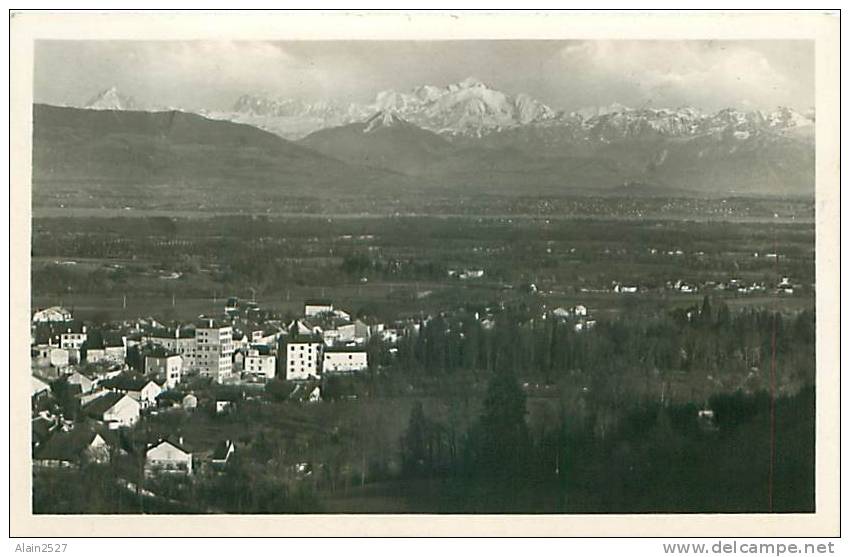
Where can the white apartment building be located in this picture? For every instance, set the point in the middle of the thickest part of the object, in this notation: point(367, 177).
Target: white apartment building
point(303, 358)
point(259, 364)
point(214, 349)
point(73, 337)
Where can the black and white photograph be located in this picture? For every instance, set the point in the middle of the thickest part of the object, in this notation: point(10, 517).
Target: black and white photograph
point(508, 276)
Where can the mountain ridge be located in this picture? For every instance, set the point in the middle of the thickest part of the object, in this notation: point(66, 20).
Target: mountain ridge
point(181, 156)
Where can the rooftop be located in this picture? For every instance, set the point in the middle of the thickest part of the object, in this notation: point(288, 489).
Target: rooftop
point(345, 349)
point(174, 332)
point(127, 382)
point(303, 339)
point(174, 444)
point(67, 445)
point(221, 450)
point(101, 404)
point(211, 323)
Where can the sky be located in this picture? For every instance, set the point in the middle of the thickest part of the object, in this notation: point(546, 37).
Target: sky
point(567, 75)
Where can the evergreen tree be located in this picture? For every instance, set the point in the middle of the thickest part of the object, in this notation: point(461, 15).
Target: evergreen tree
point(415, 441)
point(503, 434)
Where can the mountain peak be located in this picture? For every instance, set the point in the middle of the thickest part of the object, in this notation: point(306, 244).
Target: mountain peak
point(382, 119)
point(111, 99)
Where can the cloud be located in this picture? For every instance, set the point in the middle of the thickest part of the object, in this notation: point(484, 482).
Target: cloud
point(246, 65)
point(664, 73)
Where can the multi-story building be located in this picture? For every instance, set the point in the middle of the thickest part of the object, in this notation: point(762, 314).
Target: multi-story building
point(214, 349)
point(179, 340)
point(166, 365)
point(73, 336)
point(303, 357)
point(260, 362)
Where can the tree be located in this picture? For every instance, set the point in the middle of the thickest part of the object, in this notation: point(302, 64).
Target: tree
point(414, 443)
point(503, 433)
point(706, 315)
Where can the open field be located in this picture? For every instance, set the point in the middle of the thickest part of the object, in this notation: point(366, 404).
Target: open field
point(437, 204)
point(182, 266)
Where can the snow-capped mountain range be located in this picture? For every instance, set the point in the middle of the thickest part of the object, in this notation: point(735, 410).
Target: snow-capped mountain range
point(469, 133)
point(471, 108)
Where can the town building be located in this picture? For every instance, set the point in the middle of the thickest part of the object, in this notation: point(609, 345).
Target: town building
point(73, 336)
point(341, 359)
point(70, 449)
point(222, 454)
point(139, 387)
point(353, 332)
point(86, 383)
point(168, 457)
point(166, 365)
point(261, 362)
point(303, 357)
point(313, 308)
point(189, 402)
point(225, 401)
point(214, 349)
point(180, 340)
point(113, 409)
point(54, 314)
point(46, 355)
point(262, 335)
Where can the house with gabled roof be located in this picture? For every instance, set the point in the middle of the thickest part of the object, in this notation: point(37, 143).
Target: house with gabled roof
point(222, 453)
point(53, 314)
point(168, 457)
point(140, 387)
point(86, 383)
point(70, 449)
point(114, 409)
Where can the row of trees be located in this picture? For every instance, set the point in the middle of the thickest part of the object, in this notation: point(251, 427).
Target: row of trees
point(657, 458)
point(707, 338)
